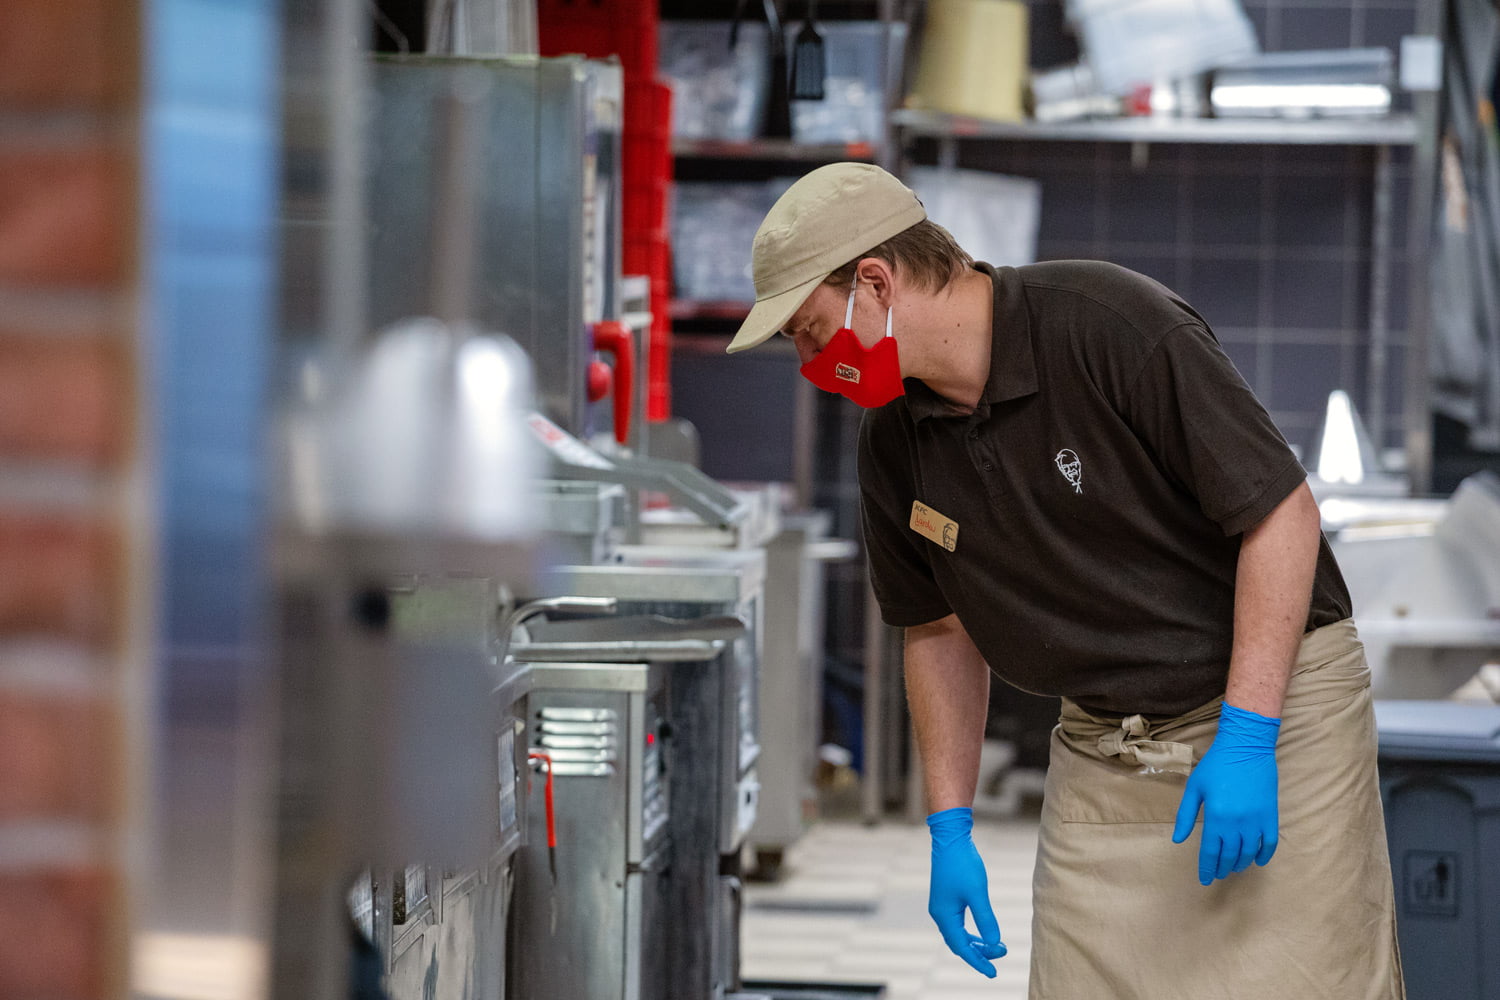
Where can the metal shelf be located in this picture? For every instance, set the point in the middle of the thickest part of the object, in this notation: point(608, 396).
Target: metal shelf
point(1394, 130)
point(785, 150)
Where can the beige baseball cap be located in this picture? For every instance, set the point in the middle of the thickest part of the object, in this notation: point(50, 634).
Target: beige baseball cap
point(822, 222)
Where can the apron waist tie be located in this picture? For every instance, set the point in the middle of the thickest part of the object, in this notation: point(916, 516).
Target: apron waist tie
point(1131, 742)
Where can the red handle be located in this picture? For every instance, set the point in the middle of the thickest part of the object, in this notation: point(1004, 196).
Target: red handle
point(615, 337)
point(547, 795)
point(600, 376)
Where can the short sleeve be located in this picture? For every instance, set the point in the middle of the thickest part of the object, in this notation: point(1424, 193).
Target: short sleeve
point(1209, 433)
point(900, 573)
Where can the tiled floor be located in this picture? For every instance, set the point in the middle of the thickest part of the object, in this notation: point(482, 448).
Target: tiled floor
point(851, 907)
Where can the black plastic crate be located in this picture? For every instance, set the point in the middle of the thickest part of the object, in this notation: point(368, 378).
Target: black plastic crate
point(1440, 782)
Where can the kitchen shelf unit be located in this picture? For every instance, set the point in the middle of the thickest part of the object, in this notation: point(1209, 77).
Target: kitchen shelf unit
point(772, 150)
point(1393, 130)
point(695, 309)
point(704, 159)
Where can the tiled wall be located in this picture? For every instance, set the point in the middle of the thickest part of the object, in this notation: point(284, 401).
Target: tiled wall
point(1272, 244)
point(67, 397)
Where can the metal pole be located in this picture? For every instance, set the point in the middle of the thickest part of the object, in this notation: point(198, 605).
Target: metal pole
point(455, 230)
point(804, 441)
point(344, 72)
point(1380, 296)
point(872, 800)
point(1418, 403)
point(948, 153)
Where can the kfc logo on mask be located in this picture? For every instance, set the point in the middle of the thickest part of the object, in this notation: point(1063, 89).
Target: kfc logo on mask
point(1071, 466)
point(847, 372)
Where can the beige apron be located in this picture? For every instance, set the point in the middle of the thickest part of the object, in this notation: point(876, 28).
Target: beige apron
point(1118, 911)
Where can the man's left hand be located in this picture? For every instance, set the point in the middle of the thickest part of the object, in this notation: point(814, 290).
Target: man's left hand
point(1235, 784)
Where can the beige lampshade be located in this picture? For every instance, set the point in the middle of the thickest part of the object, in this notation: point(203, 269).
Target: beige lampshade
point(973, 59)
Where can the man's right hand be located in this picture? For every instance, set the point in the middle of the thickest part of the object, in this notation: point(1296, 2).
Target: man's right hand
point(959, 883)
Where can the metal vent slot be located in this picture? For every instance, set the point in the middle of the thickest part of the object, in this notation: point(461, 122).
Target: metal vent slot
point(580, 770)
point(606, 755)
point(579, 715)
point(579, 728)
point(552, 741)
point(583, 742)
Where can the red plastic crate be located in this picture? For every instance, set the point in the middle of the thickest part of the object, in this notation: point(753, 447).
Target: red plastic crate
point(648, 158)
point(648, 161)
point(651, 257)
point(659, 334)
point(599, 28)
point(628, 29)
point(648, 108)
point(659, 355)
point(644, 207)
point(647, 133)
point(659, 401)
point(610, 11)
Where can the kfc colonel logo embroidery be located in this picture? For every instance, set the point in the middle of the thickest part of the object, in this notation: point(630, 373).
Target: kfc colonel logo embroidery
point(1071, 466)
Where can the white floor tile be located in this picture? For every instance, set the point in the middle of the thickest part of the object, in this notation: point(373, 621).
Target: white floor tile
point(895, 939)
point(896, 942)
point(785, 968)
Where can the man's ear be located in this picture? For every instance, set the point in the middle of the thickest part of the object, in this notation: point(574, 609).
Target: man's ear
point(879, 276)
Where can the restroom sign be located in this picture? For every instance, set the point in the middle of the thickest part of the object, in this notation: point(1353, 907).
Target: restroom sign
point(1430, 881)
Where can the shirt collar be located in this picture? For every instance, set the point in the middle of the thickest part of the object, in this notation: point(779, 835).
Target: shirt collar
point(1012, 360)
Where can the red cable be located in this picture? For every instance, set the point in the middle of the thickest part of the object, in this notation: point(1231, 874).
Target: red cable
point(547, 795)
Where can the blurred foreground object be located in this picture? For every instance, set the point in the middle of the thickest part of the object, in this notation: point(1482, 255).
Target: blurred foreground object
point(1129, 44)
point(404, 472)
point(426, 440)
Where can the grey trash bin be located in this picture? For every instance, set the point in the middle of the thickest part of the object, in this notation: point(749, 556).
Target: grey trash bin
point(1440, 782)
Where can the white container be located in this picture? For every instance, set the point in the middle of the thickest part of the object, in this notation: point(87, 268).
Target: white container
point(993, 216)
point(863, 60)
point(713, 231)
point(717, 92)
point(1134, 43)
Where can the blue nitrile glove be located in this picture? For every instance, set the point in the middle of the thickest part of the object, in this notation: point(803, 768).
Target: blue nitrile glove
point(1235, 783)
point(959, 883)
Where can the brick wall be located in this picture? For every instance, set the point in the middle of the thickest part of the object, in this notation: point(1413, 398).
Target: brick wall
point(68, 208)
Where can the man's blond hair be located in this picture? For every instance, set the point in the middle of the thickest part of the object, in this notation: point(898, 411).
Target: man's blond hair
point(925, 254)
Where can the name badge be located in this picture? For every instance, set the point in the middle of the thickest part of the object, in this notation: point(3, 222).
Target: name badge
point(933, 526)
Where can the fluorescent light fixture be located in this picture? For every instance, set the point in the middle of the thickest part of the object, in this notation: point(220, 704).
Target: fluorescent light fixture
point(1308, 96)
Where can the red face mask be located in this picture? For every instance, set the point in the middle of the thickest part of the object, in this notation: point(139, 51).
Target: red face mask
point(871, 376)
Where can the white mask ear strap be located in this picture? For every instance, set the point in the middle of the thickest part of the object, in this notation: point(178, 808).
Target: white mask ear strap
point(887, 321)
point(849, 311)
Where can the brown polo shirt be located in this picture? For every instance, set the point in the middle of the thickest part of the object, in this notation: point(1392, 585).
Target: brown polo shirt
point(1084, 521)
